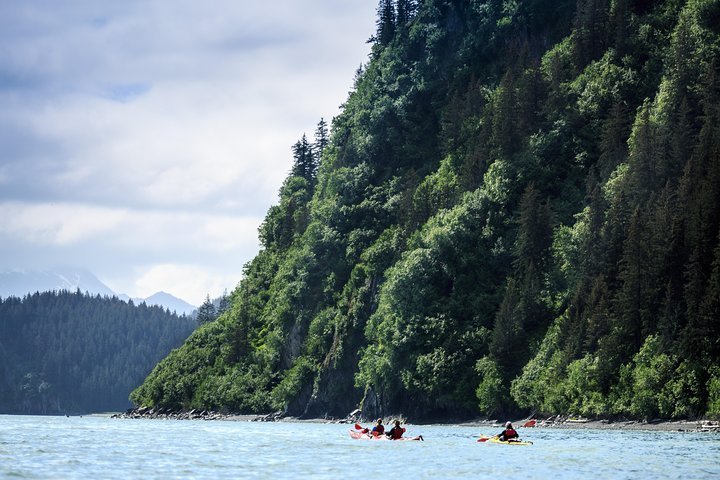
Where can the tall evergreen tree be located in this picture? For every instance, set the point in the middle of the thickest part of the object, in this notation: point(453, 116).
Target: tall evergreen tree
point(206, 312)
point(705, 330)
point(321, 141)
point(505, 124)
point(304, 164)
point(590, 35)
point(613, 143)
point(405, 11)
point(619, 26)
point(223, 303)
point(385, 22)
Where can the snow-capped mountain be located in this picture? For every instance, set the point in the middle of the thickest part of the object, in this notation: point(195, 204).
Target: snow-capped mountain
point(170, 302)
point(19, 283)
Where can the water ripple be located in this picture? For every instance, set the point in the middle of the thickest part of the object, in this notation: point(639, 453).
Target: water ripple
point(99, 447)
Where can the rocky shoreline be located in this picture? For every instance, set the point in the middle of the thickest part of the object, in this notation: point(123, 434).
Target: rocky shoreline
point(560, 422)
point(557, 421)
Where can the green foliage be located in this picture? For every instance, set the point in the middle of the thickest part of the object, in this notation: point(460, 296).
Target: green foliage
point(656, 385)
point(582, 389)
point(438, 191)
point(516, 210)
point(491, 393)
point(713, 406)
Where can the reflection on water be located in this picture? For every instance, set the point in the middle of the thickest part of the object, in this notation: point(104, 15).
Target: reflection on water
point(98, 447)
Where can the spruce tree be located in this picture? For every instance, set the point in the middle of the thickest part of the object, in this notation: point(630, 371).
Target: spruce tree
point(613, 143)
point(590, 36)
point(405, 11)
point(223, 304)
point(321, 141)
point(705, 330)
point(206, 312)
point(304, 161)
point(385, 22)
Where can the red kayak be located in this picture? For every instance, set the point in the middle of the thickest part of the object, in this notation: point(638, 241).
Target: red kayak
point(359, 435)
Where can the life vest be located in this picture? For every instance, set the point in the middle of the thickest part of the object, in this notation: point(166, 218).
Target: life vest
point(510, 433)
point(378, 430)
point(396, 433)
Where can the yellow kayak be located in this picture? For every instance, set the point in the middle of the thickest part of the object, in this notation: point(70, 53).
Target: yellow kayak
point(504, 442)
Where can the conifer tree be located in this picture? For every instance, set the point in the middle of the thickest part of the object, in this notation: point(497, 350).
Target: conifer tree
point(223, 304)
point(705, 330)
point(613, 143)
point(642, 156)
point(505, 136)
point(534, 236)
point(321, 141)
point(590, 31)
point(304, 161)
point(206, 312)
point(405, 11)
point(385, 22)
point(619, 27)
point(682, 139)
point(630, 304)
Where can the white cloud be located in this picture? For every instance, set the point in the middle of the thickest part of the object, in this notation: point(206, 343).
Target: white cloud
point(119, 244)
point(141, 137)
point(189, 282)
point(158, 230)
point(48, 224)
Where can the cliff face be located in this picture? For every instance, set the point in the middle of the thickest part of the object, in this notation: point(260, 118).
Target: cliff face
point(518, 209)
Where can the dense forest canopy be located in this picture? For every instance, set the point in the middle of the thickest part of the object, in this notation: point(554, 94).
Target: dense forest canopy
point(518, 210)
point(68, 352)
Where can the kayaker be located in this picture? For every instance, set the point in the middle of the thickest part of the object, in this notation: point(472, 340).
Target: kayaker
point(509, 433)
point(379, 428)
point(396, 432)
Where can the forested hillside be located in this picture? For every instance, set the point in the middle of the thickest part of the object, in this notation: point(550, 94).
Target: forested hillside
point(65, 352)
point(518, 210)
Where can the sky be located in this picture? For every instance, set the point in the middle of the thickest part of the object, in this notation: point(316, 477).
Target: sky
point(144, 141)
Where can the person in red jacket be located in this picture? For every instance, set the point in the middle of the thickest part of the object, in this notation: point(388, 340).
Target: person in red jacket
point(508, 434)
point(396, 432)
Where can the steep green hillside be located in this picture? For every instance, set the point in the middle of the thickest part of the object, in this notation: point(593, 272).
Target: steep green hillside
point(63, 352)
point(517, 210)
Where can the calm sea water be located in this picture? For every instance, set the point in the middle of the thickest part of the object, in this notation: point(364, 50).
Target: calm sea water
point(105, 448)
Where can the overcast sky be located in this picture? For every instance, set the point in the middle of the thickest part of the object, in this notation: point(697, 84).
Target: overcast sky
point(145, 140)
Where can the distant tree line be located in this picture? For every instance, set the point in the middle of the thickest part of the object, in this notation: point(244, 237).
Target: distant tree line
point(69, 352)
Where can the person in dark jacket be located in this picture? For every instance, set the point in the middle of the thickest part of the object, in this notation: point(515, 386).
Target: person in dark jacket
point(378, 429)
point(508, 434)
point(396, 432)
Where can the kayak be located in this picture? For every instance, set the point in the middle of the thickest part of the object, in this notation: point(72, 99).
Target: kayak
point(504, 442)
point(359, 435)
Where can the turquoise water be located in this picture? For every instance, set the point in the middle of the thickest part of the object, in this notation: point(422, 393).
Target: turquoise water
point(105, 448)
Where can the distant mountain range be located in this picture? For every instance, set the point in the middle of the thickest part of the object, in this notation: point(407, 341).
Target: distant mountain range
point(19, 283)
